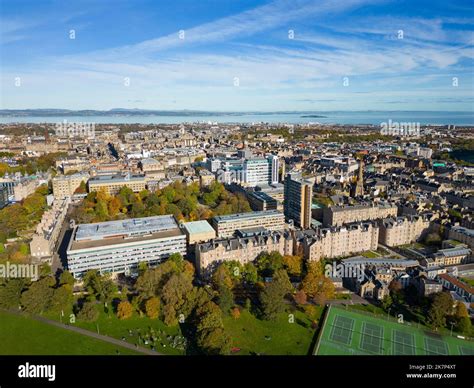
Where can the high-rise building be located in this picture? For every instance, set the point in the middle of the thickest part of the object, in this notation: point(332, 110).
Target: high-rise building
point(251, 171)
point(358, 189)
point(298, 199)
point(3, 197)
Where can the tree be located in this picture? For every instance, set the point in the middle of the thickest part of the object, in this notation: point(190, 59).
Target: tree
point(114, 206)
point(88, 312)
point(124, 310)
point(225, 298)
point(300, 297)
point(235, 313)
point(221, 276)
point(10, 292)
point(315, 267)
point(211, 336)
point(169, 315)
point(38, 296)
point(272, 296)
point(178, 260)
point(66, 278)
point(441, 307)
point(460, 311)
point(462, 321)
point(174, 296)
point(62, 298)
point(248, 305)
point(318, 286)
point(433, 239)
point(293, 265)
point(81, 189)
point(268, 263)
point(464, 326)
point(152, 307)
point(215, 341)
point(250, 273)
point(102, 287)
point(387, 302)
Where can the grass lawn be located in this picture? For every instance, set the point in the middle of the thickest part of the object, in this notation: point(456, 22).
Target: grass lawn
point(20, 335)
point(280, 337)
point(370, 254)
point(368, 308)
point(469, 281)
point(111, 326)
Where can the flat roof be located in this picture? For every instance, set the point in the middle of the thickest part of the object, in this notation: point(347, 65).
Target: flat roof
point(198, 227)
point(247, 216)
point(380, 261)
point(130, 227)
point(117, 178)
point(463, 230)
point(261, 195)
point(118, 240)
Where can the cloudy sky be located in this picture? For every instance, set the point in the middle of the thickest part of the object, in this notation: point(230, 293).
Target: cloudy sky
point(238, 55)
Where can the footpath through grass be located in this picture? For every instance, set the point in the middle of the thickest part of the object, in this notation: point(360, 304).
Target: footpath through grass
point(21, 335)
point(137, 330)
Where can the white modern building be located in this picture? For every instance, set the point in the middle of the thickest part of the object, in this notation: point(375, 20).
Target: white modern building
point(119, 246)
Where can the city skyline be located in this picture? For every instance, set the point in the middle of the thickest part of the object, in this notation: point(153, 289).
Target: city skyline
point(251, 56)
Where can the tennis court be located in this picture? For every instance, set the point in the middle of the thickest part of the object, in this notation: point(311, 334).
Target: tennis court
point(346, 331)
point(372, 338)
point(435, 346)
point(342, 329)
point(466, 351)
point(403, 343)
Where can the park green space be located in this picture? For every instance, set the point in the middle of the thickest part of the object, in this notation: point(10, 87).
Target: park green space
point(288, 335)
point(22, 335)
point(134, 330)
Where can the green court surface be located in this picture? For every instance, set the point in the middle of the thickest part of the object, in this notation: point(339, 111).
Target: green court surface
point(348, 332)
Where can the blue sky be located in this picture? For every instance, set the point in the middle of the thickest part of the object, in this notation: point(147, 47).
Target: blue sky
point(238, 55)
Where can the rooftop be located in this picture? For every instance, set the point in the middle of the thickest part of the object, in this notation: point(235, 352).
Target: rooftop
point(465, 231)
point(198, 227)
point(117, 178)
point(248, 216)
point(131, 227)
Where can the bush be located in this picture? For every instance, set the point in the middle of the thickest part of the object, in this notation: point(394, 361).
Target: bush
point(88, 312)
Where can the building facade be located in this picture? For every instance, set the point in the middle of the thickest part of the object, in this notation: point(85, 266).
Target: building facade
point(120, 246)
point(340, 215)
point(341, 241)
point(298, 198)
point(48, 230)
point(241, 249)
point(227, 225)
point(66, 185)
point(112, 184)
point(403, 230)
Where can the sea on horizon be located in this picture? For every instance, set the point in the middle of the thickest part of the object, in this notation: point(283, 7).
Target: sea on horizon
point(339, 117)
